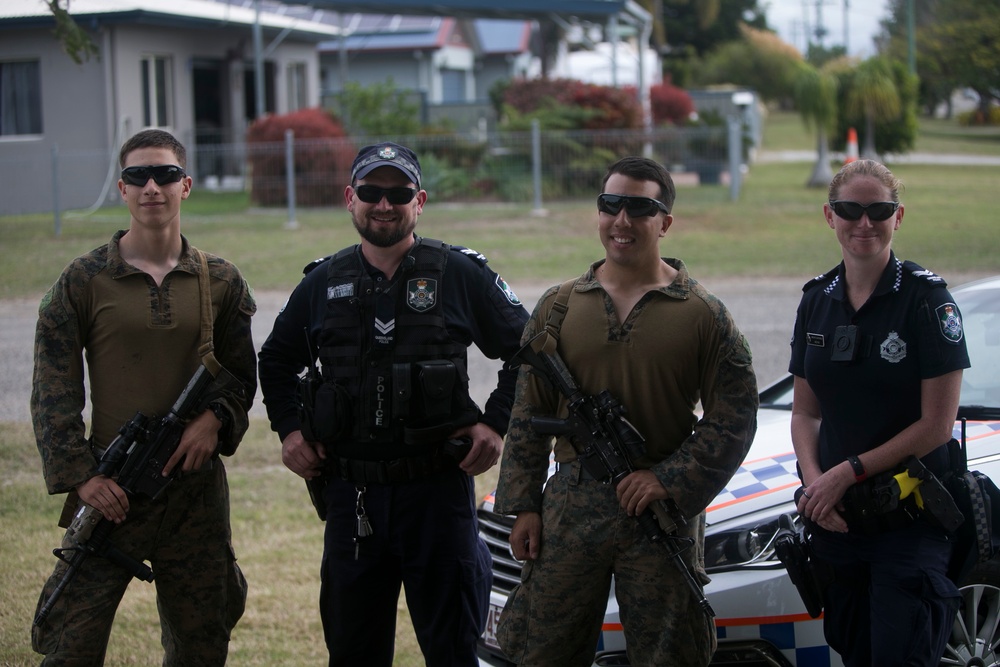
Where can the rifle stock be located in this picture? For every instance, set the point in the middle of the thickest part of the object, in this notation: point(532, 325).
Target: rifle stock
point(606, 444)
point(137, 457)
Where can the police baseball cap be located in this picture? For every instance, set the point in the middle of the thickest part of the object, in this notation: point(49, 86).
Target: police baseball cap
point(386, 154)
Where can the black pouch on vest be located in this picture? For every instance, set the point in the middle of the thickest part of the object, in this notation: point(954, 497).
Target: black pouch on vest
point(330, 420)
point(436, 380)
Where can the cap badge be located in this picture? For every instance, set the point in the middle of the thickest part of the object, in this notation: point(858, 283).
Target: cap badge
point(387, 153)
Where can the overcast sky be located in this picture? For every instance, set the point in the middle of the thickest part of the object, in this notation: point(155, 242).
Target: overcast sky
point(791, 17)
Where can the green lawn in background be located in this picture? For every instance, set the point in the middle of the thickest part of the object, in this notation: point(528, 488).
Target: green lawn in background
point(775, 228)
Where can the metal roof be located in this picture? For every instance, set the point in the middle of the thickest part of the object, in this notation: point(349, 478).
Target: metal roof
point(594, 10)
point(182, 13)
point(370, 32)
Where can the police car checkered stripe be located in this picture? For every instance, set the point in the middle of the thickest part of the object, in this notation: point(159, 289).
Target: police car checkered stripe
point(800, 640)
point(754, 478)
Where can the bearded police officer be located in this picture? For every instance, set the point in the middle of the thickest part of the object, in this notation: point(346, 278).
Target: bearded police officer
point(390, 439)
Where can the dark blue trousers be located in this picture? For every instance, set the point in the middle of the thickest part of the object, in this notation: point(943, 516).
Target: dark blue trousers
point(890, 602)
point(425, 539)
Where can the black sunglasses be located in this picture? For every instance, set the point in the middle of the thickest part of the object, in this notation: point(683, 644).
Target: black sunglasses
point(161, 173)
point(372, 194)
point(635, 207)
point(852, 210)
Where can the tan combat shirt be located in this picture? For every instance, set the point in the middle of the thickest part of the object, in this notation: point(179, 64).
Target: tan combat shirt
point(141, 344)
point(678, 346)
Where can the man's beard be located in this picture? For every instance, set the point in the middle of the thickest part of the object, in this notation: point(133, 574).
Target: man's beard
point(386, 236)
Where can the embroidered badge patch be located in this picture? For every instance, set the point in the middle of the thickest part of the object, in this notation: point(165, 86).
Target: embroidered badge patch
point(340, 291)
point(507, 291)
point(387, 153)
point(950, 320)
point(893, 348)
point(421, 294)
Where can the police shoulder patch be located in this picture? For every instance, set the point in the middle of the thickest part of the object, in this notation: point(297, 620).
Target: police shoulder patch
point(507, 291)
point(950, 320)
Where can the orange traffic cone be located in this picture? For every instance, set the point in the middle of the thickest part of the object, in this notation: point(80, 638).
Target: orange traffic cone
point(851, 154)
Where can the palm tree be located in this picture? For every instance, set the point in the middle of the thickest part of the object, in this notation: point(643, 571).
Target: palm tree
point(815, 93)
point(874, 96)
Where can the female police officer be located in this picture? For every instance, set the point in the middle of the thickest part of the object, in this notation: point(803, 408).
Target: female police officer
point(877, 355)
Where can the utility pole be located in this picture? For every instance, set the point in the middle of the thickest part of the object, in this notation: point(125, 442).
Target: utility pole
point(911, 40)
point(820, 28)
point(847, 31)
point(258, 63)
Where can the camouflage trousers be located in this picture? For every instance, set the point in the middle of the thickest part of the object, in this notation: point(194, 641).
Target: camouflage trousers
point(554, 616)
point(200, 590)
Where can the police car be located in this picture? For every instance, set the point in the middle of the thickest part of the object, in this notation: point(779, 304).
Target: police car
point(760, 618)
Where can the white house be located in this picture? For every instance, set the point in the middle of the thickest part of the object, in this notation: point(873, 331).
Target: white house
point(186, 66)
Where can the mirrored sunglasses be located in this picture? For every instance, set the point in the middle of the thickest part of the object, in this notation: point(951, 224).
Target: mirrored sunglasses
point(852, 210)
point(161, 173)
point(635, 207)
point(372, 194)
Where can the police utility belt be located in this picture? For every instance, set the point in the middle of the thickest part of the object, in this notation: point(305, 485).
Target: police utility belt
point(894, 499)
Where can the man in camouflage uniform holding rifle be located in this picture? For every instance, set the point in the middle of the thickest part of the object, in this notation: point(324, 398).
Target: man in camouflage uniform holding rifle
point(135, 308)
point(641, 328)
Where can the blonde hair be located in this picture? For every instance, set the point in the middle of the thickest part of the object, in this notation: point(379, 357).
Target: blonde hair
point(871, 168)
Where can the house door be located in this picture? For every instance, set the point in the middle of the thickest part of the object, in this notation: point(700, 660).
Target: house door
point(210, 126)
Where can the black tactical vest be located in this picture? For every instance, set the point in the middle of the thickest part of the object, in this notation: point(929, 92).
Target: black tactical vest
point(385, 344)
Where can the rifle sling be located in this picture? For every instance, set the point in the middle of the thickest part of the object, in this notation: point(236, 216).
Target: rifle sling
point(553, 324)
point(207, 349)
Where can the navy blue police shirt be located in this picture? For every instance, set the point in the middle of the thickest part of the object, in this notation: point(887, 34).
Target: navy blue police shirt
point(479, 308)
point(866, 366)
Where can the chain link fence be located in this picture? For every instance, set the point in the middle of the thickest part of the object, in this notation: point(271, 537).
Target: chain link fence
point(536, 166)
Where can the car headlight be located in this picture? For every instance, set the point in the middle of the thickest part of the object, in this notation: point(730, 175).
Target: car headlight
point(746, 545)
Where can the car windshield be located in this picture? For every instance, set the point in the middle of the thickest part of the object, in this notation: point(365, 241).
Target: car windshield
point(979, 304)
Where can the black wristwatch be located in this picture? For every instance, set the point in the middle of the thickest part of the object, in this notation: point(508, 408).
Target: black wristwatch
point(859, 469)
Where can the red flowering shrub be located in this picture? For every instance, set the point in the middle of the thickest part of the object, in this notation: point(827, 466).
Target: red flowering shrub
point(322, 158)
point(577, 105)
point(670, 104)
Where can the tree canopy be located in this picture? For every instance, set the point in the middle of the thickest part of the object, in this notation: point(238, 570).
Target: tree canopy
point(957, 46)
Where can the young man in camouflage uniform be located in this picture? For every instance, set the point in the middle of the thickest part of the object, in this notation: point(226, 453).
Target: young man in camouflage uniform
point(641, 327)
point(133, 307)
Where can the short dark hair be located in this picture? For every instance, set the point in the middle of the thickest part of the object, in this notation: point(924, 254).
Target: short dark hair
point(153, 139)
point(644, 169)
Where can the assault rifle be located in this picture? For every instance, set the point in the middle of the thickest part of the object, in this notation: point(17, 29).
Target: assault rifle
point(136, 457)
point(606, 444)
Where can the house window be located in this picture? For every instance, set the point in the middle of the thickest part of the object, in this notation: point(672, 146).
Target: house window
point(452, 85)
point(296, 75)
point(157, 84)
point(20, 98)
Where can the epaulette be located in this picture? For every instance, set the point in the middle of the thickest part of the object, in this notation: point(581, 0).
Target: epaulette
point(473, 254)
point(313, 264)
point(823, 277)
point(920, 272)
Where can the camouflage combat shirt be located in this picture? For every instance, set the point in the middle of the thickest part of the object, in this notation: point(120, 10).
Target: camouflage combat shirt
point(141, 343)
point(678, 346)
